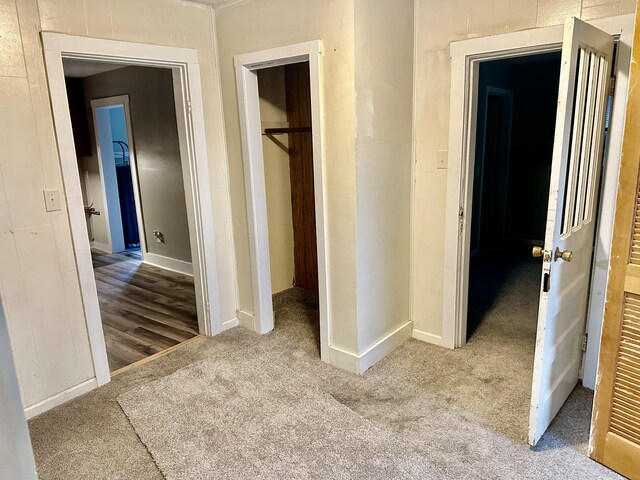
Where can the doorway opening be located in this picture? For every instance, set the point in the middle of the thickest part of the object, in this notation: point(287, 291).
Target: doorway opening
point(131, 175)
point(114, 140)
point(574, 233)
point(287, 148)
point(509, 180)
point(515, 127)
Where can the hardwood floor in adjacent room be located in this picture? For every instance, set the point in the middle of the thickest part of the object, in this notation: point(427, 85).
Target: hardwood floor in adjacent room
point(145, 309)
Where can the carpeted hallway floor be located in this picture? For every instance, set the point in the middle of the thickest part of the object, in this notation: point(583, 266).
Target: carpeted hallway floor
point(464, 412)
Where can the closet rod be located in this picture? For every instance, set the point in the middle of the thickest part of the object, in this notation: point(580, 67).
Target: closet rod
point(282, 131)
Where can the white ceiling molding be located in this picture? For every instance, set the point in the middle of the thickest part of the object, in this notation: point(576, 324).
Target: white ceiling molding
point(218, 3)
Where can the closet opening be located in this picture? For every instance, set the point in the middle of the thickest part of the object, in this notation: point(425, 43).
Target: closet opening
point(287, 147)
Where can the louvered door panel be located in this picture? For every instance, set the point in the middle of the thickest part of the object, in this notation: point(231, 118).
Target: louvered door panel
point(625, 406)
point(635, 247)
point(615, 434)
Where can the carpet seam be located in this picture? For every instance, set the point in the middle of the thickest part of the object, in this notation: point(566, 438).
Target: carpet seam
point(146, 447)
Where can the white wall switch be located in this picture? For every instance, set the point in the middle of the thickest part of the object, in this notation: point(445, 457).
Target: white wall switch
point(52, 200)
point(442, 158)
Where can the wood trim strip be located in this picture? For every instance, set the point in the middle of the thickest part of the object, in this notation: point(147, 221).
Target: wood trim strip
point(154, 357)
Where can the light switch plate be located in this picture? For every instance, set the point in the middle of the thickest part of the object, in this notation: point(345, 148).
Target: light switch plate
point(442, 159)
point(52, 200)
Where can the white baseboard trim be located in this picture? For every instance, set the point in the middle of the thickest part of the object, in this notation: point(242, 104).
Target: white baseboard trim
point(246, 319)
point(60, 398)
point(384, 347)
point(180, 266)
point(342, 359)
point(426, 337)
point(361, 363)
point(230, 324)
point(102, 247)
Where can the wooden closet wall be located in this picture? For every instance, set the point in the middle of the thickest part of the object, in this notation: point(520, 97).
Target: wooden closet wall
point(305, 252)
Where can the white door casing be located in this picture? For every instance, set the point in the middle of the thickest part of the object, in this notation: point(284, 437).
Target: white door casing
point(183, 63)
point(577, 154)
point(110, 102)
point(246, 66)
point(466, 56)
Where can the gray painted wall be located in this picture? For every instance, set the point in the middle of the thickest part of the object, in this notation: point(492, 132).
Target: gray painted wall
point(157, 151)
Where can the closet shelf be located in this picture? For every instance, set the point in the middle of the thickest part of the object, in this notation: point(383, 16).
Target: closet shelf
point(282, 131)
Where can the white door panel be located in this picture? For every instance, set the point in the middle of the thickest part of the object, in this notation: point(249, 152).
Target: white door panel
point(577, 155)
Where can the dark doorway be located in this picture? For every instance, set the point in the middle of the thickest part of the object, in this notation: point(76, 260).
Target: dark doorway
point(515, 128)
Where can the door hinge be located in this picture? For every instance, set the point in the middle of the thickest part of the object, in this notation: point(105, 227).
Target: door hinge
point(461, 219)
point(189, 106)
point(585, 339)
point(612, 85)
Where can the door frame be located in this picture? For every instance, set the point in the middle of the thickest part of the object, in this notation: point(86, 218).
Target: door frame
point(112, 102)
point(246, 66)
point(466, 56)
point(183, 63)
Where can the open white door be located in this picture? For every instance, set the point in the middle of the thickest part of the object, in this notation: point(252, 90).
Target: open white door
point(567, 254)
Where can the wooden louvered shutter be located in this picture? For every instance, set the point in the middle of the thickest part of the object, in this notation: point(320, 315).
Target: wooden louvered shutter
point(615, 436)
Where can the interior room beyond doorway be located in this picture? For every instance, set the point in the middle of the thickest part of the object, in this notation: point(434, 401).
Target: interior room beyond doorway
point(517, 101)
point(130, 168)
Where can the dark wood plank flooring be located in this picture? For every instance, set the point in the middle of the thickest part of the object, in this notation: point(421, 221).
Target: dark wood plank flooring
point(145, 309)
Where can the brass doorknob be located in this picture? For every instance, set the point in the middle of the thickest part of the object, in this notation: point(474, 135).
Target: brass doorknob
point(537, 251)
point(564, 255)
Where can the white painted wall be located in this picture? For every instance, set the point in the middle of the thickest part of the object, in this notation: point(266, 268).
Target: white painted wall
point(16, 456)
point(437, 24)
point(260, 24)
point(384, 95)
point(38, 275)
point(273, 113)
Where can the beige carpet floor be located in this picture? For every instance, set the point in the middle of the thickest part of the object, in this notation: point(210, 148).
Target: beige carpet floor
point(236, 416)
point(464, 412)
